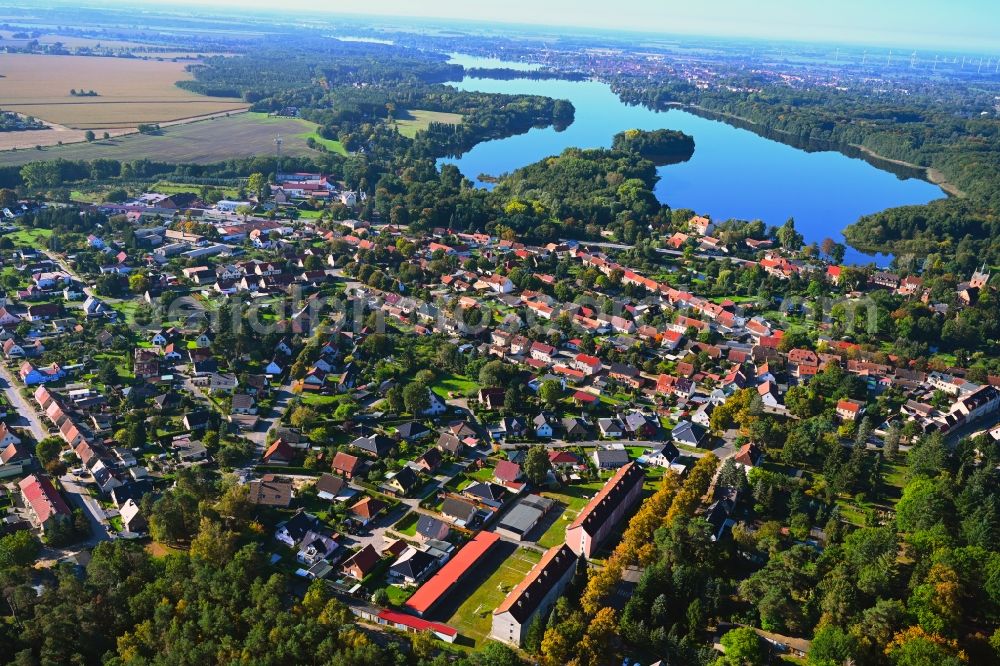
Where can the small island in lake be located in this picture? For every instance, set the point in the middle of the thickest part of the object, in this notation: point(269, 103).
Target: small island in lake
point(660, 146)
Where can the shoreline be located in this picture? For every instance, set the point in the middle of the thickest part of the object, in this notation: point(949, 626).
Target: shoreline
point(929, 174)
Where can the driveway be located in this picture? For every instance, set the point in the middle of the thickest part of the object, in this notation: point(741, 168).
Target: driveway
point(26, 417)
point(282, 399)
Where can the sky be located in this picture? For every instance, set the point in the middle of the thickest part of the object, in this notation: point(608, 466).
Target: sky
point(931, 24)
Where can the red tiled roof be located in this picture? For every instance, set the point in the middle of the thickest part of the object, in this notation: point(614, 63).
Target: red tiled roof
point(506, 470)
point(451, 573)
point(45, 501)
point(406, 620)
point(281, 450)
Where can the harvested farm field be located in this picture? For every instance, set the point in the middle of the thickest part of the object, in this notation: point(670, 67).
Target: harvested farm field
point(129, 91)
point(201, 142)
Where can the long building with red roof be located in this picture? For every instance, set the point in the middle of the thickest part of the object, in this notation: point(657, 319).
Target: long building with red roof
point(534, 595)
point(451, 574)
point(603, 513)
point(412, 624)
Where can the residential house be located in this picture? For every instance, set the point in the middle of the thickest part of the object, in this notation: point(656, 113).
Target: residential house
point(46, 505)
point(749, 456)
point(279, 453)
point(430, 460)
point(346, 465)
point(271, 490)
point(361, 563)
point(688, 433)
point(412, 567)
point(850, 410)
point(366, 510)
point(429, 527)
point(402, 483)
point(329, 486)
point(611, 428)
point(544, 425)
point(610, 458)
point(132, 517)
point(459, 511)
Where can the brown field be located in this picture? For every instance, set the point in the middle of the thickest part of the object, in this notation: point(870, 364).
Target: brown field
point(131, 91)
point(201, 142)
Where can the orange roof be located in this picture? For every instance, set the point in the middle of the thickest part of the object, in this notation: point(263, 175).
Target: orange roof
point(451, 573)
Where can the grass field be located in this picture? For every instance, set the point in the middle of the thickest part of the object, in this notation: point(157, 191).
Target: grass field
point(202, 142)
point(474, 616)
point(168, 187)
point(453, 383)
point(308, 131)
point(36, 238)
point(417, 120)
point(130, 91)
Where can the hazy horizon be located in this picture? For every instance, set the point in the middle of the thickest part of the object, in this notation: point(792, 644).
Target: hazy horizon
point(913, 24)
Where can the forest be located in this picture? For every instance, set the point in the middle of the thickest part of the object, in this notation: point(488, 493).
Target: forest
point(660, 146)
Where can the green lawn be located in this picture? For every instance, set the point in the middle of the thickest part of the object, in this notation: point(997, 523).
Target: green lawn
point(316, 400)
point(330, 144)
point(407, 524)
point(418, 120)
point(169, 187)
point(37, 238)
point(575, 497)
point(455, 384)
point(310, 133)
point(399, 595)
point(474, 617)
point(556, 534)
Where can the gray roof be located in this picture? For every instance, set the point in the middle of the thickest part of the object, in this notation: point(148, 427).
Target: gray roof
point(521, 519)
point(614, 456)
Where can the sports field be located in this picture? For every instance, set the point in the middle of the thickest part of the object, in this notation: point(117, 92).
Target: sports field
point(474, 616)
point(201, 142)
point(129, 91)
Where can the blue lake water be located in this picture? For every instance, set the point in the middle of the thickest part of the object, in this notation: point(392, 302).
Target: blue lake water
point(734, 173)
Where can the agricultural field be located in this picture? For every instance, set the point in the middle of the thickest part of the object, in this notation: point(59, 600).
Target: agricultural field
point(69, 41)
point(416, 120)
point(202, 142)
point(129, 91)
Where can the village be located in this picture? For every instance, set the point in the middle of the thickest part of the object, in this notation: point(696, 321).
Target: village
point(440, 425)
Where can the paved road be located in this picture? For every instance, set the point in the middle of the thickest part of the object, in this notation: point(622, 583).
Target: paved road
point(662, 250)
point(27, 417)
point(282, 399)
point(77, 493)
point(599, 443)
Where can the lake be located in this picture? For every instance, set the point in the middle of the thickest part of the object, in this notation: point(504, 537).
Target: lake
point(734, 173)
